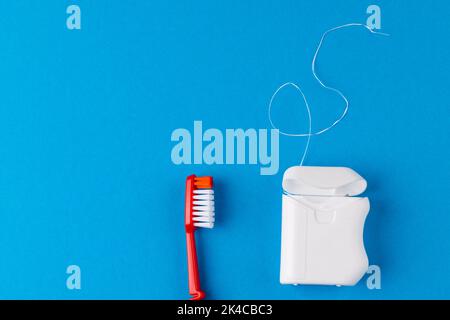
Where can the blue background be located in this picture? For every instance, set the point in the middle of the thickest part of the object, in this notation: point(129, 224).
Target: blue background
point(86, 116)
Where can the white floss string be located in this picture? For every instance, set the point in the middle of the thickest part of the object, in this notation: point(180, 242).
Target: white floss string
point(297, 87)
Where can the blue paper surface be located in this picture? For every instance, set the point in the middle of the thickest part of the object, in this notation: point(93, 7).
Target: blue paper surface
point(86, 118)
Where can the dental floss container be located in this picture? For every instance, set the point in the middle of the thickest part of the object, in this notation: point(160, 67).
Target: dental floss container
point(322, 226)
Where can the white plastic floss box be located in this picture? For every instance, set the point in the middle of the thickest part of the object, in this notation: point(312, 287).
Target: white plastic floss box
point(322, 226)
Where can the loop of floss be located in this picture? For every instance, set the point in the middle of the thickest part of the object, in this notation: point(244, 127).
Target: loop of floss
point(322, 84)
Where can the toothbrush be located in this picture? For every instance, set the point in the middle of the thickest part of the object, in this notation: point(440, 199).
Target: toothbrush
point(199, 213)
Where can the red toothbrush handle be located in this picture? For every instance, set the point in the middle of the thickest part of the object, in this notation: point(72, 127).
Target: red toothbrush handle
point(194, 276)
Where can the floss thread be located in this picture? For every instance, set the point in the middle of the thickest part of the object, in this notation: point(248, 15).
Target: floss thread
point(309, 134)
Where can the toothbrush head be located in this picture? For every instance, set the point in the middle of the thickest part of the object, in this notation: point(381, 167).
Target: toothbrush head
point(199, 202)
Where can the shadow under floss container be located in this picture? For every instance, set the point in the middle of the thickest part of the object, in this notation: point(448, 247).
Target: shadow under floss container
point(322, 228)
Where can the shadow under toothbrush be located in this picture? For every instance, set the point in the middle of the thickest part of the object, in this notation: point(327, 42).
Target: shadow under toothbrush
point(206, 264)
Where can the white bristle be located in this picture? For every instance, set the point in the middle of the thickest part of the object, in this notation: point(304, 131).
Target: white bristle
point(203, 210)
